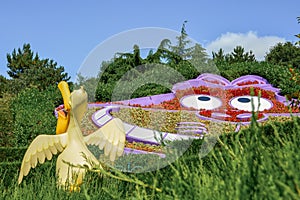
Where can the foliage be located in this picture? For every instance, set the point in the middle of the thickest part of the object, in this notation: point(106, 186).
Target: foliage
point(277, 75)
point(122, 78)
point(294, 96)
point(89, 85)
point(27, 70)
point(257, 163)
point(231, 66)
point(103, 92)
point(6, 121)
point(182, 48)
point(32, 113)
point(187, 61)
point(29, 97)
point(293, 82)
point(150, 88)
point(285, 54)
point(4, 85)
point(237, 56)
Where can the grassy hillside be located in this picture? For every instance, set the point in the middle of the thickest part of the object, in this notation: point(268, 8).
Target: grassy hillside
point(262, 162)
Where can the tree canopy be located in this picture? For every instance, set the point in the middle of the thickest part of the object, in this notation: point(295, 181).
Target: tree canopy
point(286, 54)
point(27, 70)
point(29, 96)
point(186, 59)
point(238, 55)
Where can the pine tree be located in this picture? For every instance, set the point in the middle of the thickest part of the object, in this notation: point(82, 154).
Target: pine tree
point(237, 55)
point(285, 54)
point(27, 70)
point(182, 48)
point(19, 62)
point(219, 56)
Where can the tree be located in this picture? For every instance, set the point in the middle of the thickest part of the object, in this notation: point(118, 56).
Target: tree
point(286, 54)
point(32, 112)
point(137, 60)
point(160, 56)
point(198, 54)
point(4, 85)
point(27, 70)
point(184, 52)
point(219, 56)
point(189, 61)
point(200, 61)
point(181, 48)
point(20, 61)
point(164, 44)
point(238, 55)
point(89, 84)
point(111, 72)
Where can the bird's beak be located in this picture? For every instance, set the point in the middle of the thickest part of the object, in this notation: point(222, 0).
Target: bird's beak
point(65, 92)
point(64, 116)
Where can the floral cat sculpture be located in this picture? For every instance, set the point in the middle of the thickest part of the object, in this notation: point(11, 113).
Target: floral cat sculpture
point(71, 144)
point(211, 98)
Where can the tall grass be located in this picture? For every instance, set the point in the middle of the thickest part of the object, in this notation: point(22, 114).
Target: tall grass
point(262, 162)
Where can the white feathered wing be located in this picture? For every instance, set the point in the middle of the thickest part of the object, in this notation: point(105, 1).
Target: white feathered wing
point(110, 137)
point(43, 146)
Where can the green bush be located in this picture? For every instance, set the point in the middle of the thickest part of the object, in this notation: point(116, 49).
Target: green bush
point(33, 114)
point(278, 76)
point(6, 121)
point(104, 92)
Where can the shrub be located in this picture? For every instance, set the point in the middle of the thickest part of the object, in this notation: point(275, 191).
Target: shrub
point(278, 76)
point(103, 92)
point(6, 121)
point(33, 114)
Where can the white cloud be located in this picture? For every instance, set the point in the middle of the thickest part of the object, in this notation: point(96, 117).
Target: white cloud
point(250, 41)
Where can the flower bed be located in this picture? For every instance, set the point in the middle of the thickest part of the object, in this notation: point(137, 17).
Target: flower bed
point(248, 83)
point(144, 147)
point(159, 120)
point(209, 99)
point(164, 121)
point(229, 113)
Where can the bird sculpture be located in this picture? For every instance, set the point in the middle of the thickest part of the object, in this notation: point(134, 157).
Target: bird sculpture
point(70, 142)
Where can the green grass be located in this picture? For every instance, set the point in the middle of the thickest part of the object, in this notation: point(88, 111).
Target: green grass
point(262, 162)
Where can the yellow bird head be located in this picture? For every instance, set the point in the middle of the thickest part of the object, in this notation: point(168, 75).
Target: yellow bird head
point(75, 103)
point(63, 115)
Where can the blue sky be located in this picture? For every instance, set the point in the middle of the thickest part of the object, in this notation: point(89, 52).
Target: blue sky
point(67, 31)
